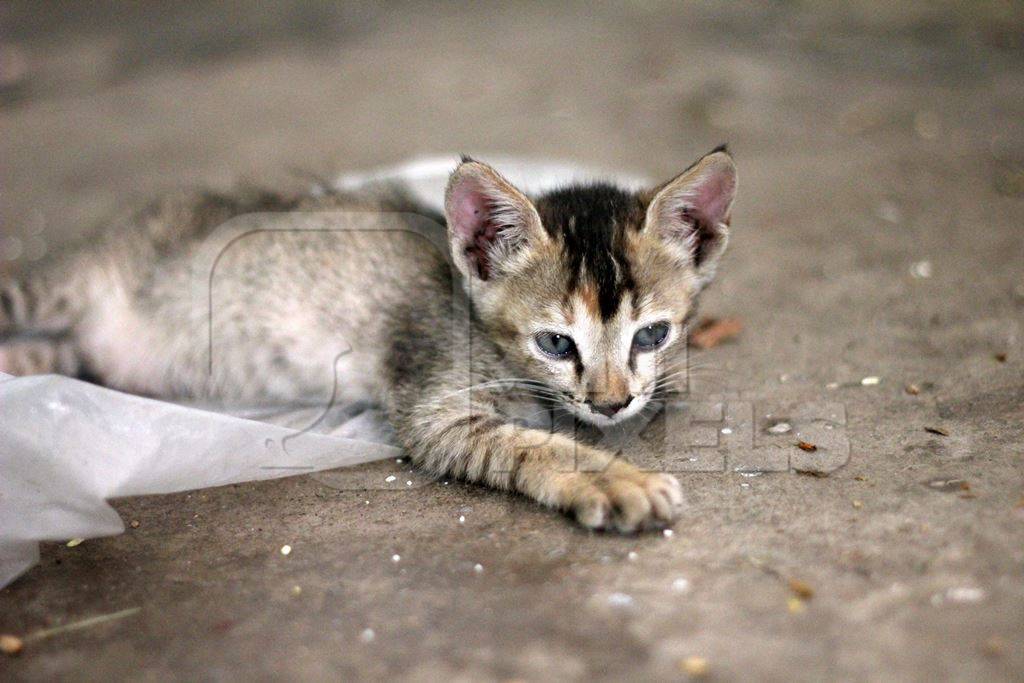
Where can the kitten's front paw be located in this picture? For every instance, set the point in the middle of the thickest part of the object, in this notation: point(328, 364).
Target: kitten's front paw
point(628, 501)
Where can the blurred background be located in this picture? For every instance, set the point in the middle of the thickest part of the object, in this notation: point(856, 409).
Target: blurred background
point(104, 101)
point(877, 235)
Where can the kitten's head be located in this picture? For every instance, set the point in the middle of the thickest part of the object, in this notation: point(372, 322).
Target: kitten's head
point(589, 288)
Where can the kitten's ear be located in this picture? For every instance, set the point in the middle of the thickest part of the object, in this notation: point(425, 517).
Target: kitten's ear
point(490, 222)
point(691, 212)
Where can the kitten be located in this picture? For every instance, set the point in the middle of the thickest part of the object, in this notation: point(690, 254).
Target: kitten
point(576, 300)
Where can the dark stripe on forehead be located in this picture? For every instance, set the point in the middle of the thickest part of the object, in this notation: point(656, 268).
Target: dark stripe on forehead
point(591, 222)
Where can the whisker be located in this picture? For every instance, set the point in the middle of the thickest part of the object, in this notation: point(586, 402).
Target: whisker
point(504, 384)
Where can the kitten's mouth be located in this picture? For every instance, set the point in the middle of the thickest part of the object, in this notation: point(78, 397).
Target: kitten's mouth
point(601, 420)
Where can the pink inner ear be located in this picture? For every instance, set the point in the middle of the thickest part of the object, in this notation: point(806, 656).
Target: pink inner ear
point(470, 210)
point(473, 226)
point(713, 195)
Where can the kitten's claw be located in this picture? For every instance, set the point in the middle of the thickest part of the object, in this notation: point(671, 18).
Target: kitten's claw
point(629, 502)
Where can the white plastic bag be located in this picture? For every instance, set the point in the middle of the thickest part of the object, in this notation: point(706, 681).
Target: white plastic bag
point(67, 446)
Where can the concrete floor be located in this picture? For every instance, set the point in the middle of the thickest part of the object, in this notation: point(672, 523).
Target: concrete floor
point(869, 139)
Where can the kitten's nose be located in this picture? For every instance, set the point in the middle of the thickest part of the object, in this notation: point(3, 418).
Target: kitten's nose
point(609, 409)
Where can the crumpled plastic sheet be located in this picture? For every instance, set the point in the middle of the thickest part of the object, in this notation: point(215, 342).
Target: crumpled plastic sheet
point(67, 446)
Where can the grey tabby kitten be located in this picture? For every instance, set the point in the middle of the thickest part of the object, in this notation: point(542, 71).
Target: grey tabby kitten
point(576, 300)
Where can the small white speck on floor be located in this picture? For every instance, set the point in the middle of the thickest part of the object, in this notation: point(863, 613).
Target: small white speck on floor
point(632, 556)
point(832, 385)
point(667, 533)
point(871, 381)
point(921, 270)
point(399, 460)
point(780, 428)
point(396, 558)
point(462, 519)
point(367, 635)
point(408, 483)
point(296, 590)
point(446, 483)
point(390, 478)
point(286, 550)
point(726, 430)
point(620, 600)
point(681, 585)
point(744, 485)
point(366, 502)
point(74, 541)
point(478, 568)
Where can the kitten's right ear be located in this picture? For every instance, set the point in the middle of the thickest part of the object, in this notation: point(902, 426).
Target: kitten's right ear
point(490, 222)
point(691, 211)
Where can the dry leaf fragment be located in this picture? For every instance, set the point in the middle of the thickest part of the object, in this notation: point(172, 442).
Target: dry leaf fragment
point(806, 446)
point(795, 605)
point(812, 473)
point(134, 524)
point(1000, 357)
point(912, 389)
point(711, 332)
point(802, 589)
point(11, 645)
point(858, 504)
point(936, 430)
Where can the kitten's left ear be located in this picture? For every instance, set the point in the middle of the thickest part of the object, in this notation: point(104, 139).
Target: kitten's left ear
point(691, 212)
point(490, 223)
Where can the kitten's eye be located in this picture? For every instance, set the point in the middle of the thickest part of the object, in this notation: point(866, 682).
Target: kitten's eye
point(555, 345)
point(650, 337)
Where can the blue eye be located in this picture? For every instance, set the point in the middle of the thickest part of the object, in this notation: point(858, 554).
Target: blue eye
point(555, 345)
point(650, 337)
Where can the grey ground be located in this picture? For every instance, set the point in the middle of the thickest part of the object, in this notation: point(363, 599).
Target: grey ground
point(868, 139)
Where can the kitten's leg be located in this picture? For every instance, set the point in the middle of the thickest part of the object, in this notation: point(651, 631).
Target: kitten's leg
point(602, 491)
point(39, 357)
